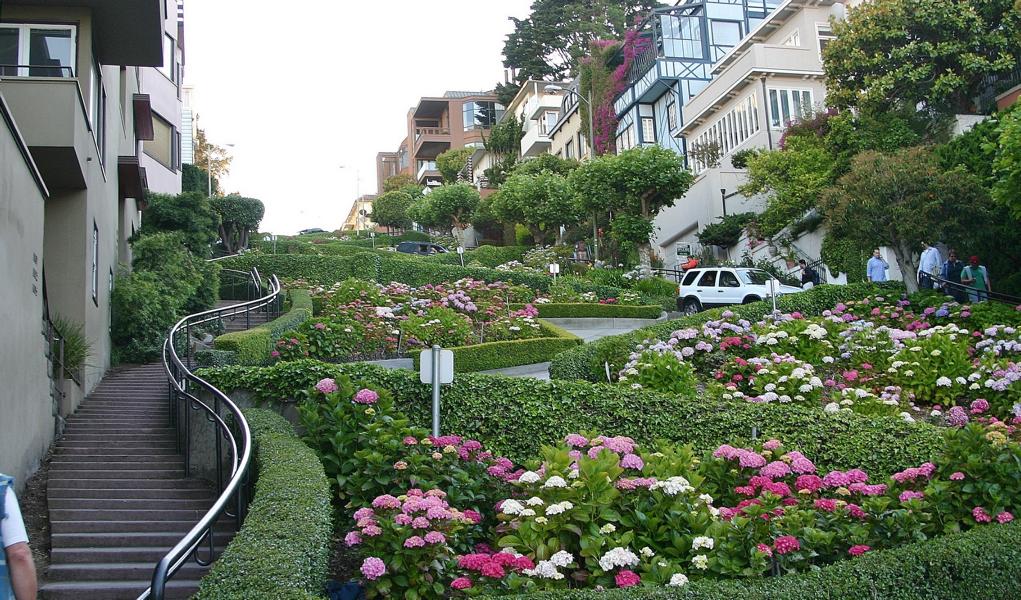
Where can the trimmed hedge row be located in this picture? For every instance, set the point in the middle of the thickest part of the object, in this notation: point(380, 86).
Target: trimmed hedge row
point(511, 353)
point(516, 416)
point(284, 546)
point(586, 362)
point(984, 562)
point(584, 310)
point(252, 346)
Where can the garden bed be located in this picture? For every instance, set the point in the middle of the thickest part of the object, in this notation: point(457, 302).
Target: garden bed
point(510, 353)
point(253, 346)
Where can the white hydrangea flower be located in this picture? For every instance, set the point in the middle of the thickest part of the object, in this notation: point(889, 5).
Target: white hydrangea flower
point(529, 477)
point(831, 408)
point(700, 562)
point(573, 474)
point(555, 482)
point(534, 501)
point(511, 507)
point(527, 513)
point(944, 382)
point(706, 498)
point(907, 417)
point(702, 542)
point(647, 552)
point(618, 557)
point(678, 580)
point(558, 508)
point(562, 558)
point(608, 528)
point(545, 569)
point(673, 486)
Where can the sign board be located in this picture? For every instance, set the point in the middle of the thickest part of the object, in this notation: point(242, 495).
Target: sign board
point(425, 369)
point(683, 250)
point(554, 268)
point(372, 234)
point(460, 249)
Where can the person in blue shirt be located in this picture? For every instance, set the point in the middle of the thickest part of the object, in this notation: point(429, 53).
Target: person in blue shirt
point(876, 268)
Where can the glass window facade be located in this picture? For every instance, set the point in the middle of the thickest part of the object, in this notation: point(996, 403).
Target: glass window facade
point(726, 35)
point(730, 131)
point(161, 146)
point(788, 106)
point(648, 130)
point(682, 36)
point(37, 50)
point(480, 115)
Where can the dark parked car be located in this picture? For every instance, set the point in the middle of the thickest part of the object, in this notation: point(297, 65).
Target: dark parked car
point(423, 248)
point(311, 230)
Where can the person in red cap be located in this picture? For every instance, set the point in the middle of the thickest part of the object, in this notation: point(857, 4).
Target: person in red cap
point(976, 278)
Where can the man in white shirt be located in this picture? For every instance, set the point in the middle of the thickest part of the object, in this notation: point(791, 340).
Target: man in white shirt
point(928, 266)
point(17, 570)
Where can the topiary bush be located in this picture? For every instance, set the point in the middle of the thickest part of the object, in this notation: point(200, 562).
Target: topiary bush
point(515, 417)
point(582, 310)
point(510, 353)
point(284, 546)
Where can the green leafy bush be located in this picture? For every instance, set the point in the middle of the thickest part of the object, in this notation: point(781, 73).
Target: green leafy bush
point(76, 348)
point(515, 417)
point(142, 313)
point(216, 358)
point(252, 346)
point(284, 547)
point(511, 353)
point(587, 361)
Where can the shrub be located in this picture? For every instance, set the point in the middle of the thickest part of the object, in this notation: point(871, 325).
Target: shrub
point(510, 353)
point(516, 416)
point(141, 314)
point(252, 346)
point(216, 358)
point(587, 361)
point(284, 547)
point(76, 346)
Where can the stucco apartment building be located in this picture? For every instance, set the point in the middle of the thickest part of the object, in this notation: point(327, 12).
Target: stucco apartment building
point(436, 124)
point(76, 117)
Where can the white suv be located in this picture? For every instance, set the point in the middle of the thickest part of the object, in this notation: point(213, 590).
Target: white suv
point(721, 286)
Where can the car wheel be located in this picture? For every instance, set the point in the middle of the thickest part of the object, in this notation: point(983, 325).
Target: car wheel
point(750, 299)
point(692, 306)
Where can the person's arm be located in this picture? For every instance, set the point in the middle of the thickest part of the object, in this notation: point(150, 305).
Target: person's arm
point(22, 570)
point(989, 284)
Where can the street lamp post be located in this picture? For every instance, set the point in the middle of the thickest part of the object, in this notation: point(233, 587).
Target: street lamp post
point(553, 89)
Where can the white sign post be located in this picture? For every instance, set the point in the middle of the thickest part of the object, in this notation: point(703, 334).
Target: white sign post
point(554, 268)
point(772, 292)
point(460, 254)
point(372, 235)
point(436, 366)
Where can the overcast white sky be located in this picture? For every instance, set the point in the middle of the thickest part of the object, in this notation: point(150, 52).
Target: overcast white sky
point(305, 86)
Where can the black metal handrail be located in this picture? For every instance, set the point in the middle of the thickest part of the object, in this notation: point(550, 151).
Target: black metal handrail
point(185, 388)
point(948, 286)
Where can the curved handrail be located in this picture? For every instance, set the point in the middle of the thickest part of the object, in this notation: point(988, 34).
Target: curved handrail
point(1002, 298)
point(181, 378)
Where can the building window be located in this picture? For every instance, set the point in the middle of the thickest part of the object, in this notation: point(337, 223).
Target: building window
point(569, 149)
point(648, 130)
point(548, 121)
point(95, 263)
point(671, 114)
point(583, 149)
point(794, 39)
point(729, 132)
point(788, 106)
point(161, 147)
point(480, 115)
point(97, 109)
point(28, 50)
point(682, 36)
point(169, 66)
point(726, 35)
point(110, 281)
point(625, 134)
point(825, 34)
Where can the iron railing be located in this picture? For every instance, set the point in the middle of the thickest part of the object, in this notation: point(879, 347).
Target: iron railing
point(962, 293)
point(229, 426)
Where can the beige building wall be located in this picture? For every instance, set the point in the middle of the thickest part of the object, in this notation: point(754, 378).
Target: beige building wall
point(26, 407)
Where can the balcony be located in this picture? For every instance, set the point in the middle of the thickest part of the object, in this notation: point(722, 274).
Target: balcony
point(51, 116)
point(739, 70)
point(427, 171)
point(534, 142)
point(430, 142)
point(537, 105)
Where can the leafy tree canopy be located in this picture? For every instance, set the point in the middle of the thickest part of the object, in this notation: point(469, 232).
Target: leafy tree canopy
point(1007, 165)
point(903, 198)
point(239, 216)
point(396, 182)
point(452, 161)
point(190, 214)
point(901, 53)
point(212, 157)
point(194, 179)
point(550, 42)
point(548, 163)
point(446, 206)
point(541, 201)
point(391, 209)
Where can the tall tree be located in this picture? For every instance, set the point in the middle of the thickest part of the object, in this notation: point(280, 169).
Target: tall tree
point(239, 216)
point(211, 158)
point(504, 143)
point(448, 206)
point(635, 185)
point(450, 163)
point(391, 209)
point(396, 182)
point(543, 202)
point(190, 214)
point(936, 53)
point(550, 42)
point(903, 198)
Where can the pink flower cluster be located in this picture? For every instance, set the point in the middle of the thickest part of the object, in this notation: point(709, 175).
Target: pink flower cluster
point(785, 544)
point(912, 474)
point(366, 396)
point(327, 386)
point(494, 565)
point(627, 483)
point(626, 578)
point(419, 510)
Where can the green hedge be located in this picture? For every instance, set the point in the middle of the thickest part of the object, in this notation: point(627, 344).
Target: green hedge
point(587, 362)
point(252, 346)
point(511, 353)
point(487, 256)
point(516, 416)
point(984, 562)
point(284, 546)
point(583, 310)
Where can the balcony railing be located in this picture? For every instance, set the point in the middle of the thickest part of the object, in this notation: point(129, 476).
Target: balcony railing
point(420, 131)
point(36, 71)
point(424, 167)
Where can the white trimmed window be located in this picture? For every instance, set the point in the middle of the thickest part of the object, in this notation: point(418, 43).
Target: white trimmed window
point(729, 131)
point(648, 130)
point(794, 39)
point(788, 106)
point(824, 32)
point(36, 50)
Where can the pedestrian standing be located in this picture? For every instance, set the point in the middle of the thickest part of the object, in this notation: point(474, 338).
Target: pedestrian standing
point(17, 568)
point(581, 252)
point(950, 273)
point(976, 277)
point(876, 268)
point(928, 266)
point(809, 276)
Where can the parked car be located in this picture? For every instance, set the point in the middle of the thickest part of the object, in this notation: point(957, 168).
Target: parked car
point(423, 248)
point(311, 230)
point(721, 286)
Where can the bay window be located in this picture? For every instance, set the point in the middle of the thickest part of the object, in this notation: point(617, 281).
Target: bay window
point(788, 106)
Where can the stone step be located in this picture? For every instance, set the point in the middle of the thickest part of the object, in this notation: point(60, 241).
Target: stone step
point(114, 590)
point(119, 473)
point(124, 437)
point(121, 445)
point(116, 452)
point(72, 482)
point(149, 457)
point(130, 503)
point(126, 540)
point(181, 527)
point(132, 571)
point(132, 493)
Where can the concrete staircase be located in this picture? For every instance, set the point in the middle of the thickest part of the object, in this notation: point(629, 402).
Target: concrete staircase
point(118, 497)
point(240, 322)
